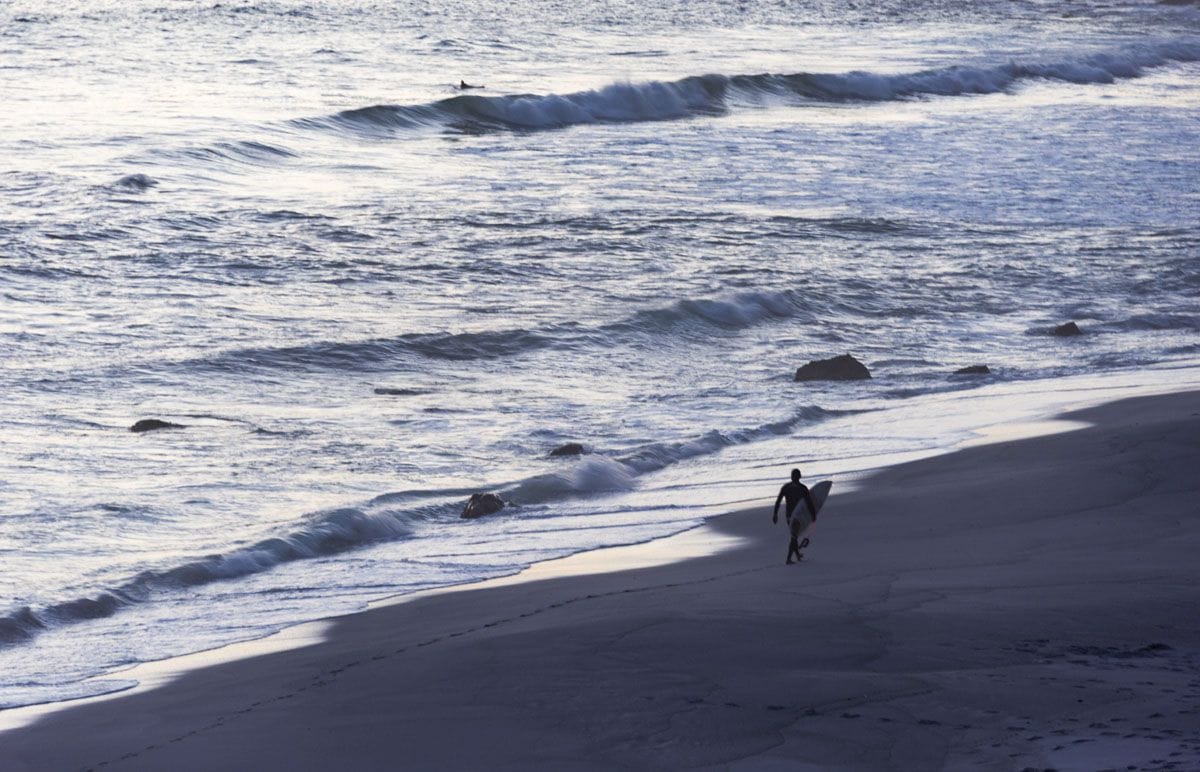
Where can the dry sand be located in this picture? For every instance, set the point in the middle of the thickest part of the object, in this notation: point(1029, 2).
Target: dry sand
point(1026, 604)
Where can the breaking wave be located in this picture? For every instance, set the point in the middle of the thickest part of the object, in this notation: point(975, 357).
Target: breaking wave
point(387, 518)
point(615, 103)
point(660, 455)
point(323, 533)
point(712, 94)
point(737, 312)
point(598, 473)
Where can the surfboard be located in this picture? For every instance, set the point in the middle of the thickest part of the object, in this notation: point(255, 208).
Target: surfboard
point(819, 493)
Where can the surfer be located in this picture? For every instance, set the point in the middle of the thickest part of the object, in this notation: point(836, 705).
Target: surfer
point(791, 493)
point(463, 85)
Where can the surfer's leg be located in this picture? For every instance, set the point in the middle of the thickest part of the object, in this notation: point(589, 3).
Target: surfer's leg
point(793, 548)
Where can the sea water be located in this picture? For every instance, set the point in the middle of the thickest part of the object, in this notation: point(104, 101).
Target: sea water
point(367, 294)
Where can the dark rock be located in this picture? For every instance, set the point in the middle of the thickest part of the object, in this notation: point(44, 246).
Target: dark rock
point(569, 449)
point(841, 368)
point(152, 424)
point(481, 504)
point(973, 370)
point(1066, 330)
point(136, 182)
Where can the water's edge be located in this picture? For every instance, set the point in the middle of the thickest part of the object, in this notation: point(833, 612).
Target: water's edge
point(693, 542)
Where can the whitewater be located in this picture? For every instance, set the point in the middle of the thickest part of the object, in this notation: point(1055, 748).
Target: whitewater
point(365, 294)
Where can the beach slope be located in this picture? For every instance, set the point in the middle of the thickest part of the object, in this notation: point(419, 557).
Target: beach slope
point(1025, 604)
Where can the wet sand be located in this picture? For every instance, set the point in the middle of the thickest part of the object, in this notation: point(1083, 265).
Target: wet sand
point(1025, 604)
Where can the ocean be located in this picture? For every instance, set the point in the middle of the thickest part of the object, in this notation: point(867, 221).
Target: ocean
point(366, 294)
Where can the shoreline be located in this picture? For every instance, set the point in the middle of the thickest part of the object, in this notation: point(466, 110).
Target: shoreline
point(152, 674)
point(1015, 410)
point(697, 541)
point(849, 585)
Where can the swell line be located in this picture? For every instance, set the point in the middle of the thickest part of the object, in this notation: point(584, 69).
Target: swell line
point(714, 94)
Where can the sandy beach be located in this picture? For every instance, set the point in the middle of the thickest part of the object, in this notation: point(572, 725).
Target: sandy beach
point(1027, 604)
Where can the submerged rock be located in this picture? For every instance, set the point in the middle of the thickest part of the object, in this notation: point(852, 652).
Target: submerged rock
point(1066, 330)
point(152, 424)
point(136, 182)
point(840, 368)
point(569, 449)
point(973, 370)
point(388, 391)
point(481, 504)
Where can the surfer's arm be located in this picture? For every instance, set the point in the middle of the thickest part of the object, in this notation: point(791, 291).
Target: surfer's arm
point(779, 498)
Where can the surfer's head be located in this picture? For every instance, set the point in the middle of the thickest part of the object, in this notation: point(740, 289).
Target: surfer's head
point(795, 475)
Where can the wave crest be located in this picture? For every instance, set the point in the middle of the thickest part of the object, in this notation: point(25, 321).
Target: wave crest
point(614, 103)
point(734, 313)
point(659, 455)
point(323, 533)
point(710, 94)
point(729, 314)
